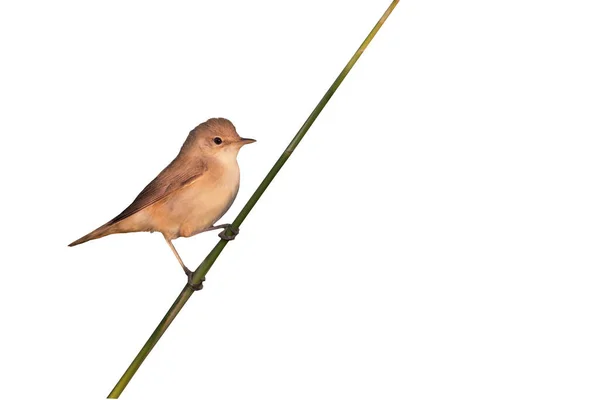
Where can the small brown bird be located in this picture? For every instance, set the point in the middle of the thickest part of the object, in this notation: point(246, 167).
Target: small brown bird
point(191, 193)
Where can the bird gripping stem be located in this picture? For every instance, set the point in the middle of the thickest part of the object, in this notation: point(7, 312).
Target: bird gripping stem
point(199, 274)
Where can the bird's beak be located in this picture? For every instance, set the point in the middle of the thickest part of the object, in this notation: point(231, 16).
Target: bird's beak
point(244, 141)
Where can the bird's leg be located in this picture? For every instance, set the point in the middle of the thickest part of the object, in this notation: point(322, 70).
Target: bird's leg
point(223, 235)
point(185, 269)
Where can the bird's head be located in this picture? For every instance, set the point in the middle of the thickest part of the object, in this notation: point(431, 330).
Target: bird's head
point(216, 136)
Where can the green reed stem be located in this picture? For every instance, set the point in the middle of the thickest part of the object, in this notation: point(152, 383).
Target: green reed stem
point(202, 270)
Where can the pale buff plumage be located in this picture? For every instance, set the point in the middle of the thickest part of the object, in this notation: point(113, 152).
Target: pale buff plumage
point(191, 193)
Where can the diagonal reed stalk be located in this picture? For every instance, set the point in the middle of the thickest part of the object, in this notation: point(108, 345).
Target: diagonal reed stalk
point(202, 270)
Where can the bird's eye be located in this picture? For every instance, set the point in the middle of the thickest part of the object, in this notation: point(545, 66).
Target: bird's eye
point(218, 140)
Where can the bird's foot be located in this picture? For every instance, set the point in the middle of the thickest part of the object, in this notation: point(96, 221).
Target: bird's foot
point(227, 236)
point(189, 274)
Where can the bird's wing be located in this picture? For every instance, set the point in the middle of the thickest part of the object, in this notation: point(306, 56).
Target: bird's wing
point(174, 177)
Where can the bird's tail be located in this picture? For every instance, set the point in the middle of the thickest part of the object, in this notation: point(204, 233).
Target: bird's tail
point(104, 230)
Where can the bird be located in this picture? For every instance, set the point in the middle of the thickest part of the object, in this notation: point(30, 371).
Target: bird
point(192, 193)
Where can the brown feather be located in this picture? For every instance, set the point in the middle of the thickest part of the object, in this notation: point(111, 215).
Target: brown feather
point(181, 172)
point(174, 177)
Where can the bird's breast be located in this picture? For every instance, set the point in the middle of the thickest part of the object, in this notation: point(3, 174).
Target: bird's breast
point(200, 204)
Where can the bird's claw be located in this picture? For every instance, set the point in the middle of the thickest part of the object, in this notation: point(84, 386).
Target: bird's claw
point(225, 236)
point(189, 281)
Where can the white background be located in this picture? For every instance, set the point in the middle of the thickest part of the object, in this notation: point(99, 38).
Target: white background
point(435, 236)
